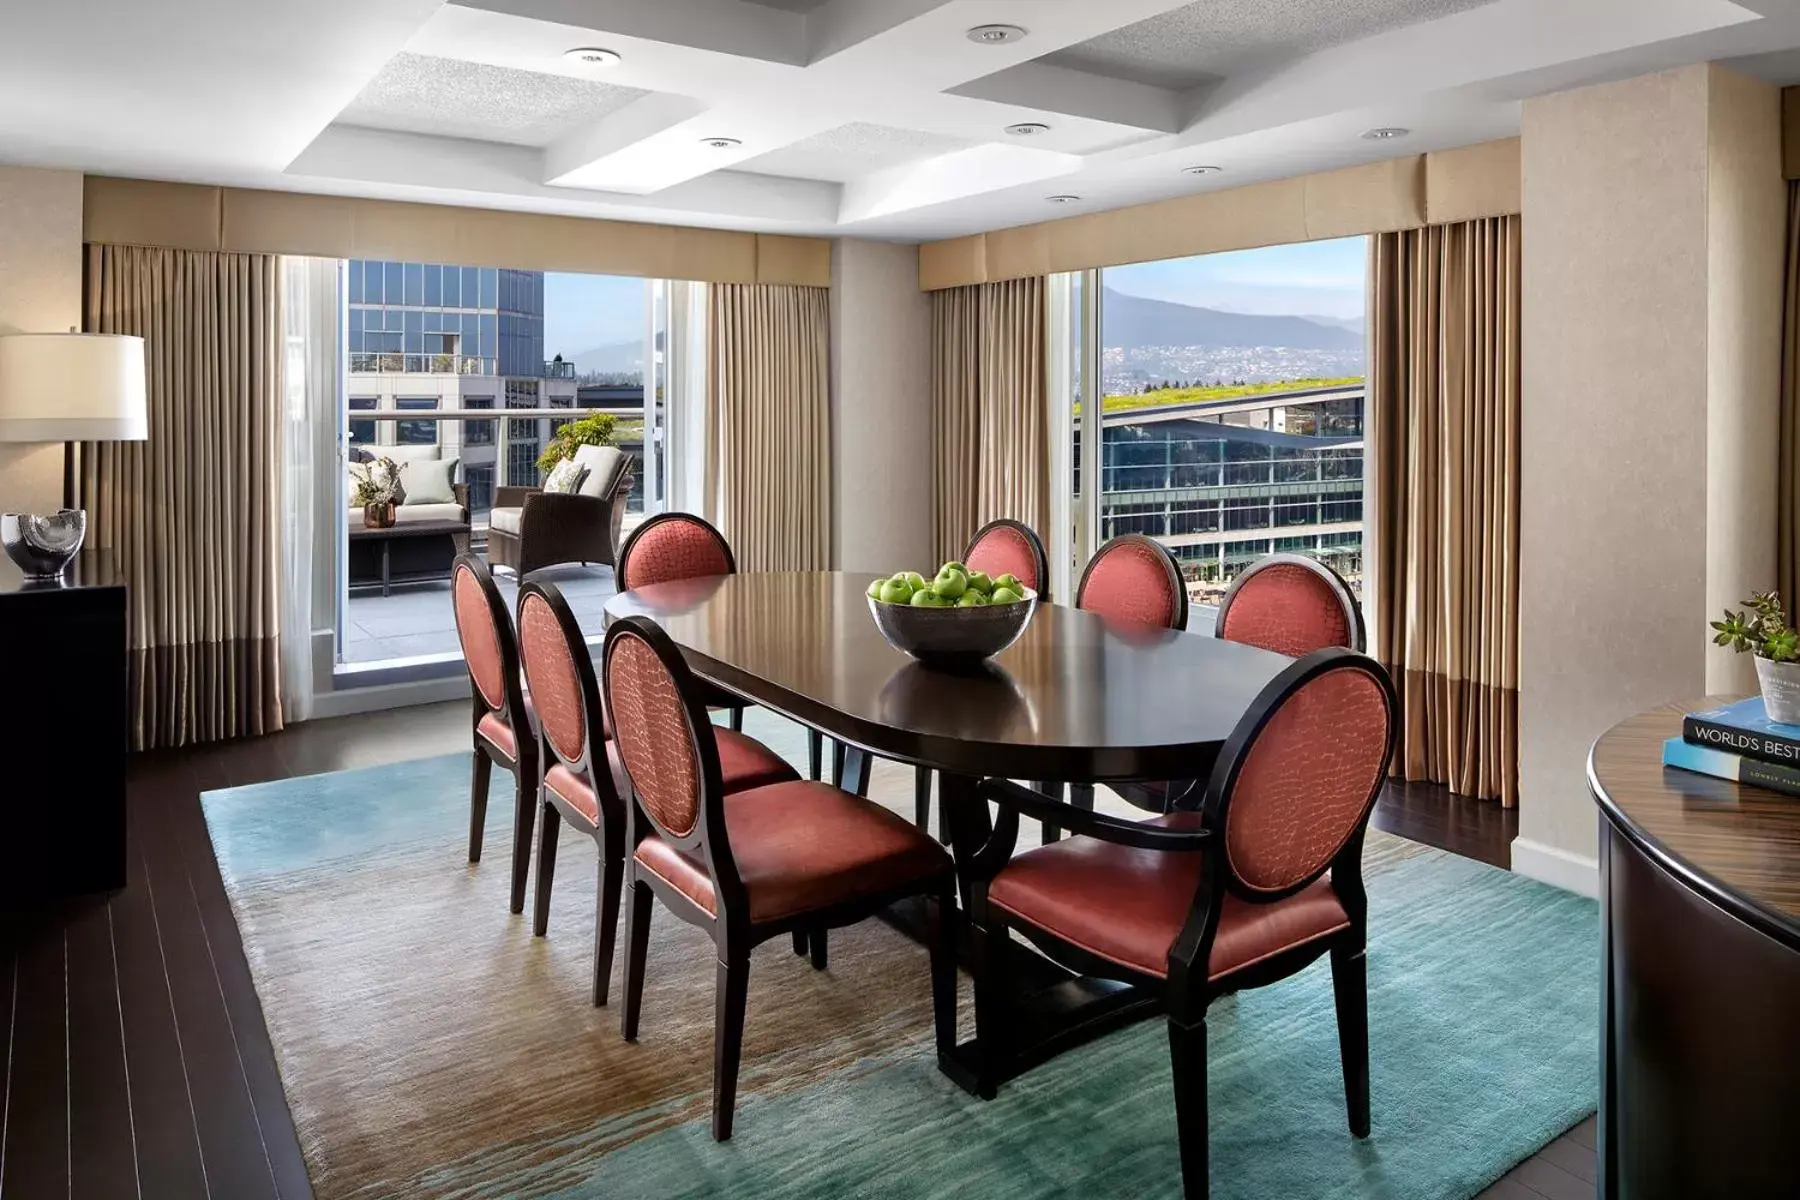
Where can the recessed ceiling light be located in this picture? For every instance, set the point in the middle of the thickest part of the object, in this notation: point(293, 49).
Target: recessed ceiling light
point(1203, 170)
point(1063, 198)
point(720, 143)
point(995, 35)
point(593, 56)
point(1027, 129)
point(1386, 133)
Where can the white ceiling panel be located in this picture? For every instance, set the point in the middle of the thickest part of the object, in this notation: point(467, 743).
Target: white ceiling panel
point(447, 97)
point(1202, 42)
point(850, 152)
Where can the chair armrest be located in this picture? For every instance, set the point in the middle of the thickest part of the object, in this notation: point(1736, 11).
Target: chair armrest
point(1009, 795)
point(461, 492)
point(512, 496)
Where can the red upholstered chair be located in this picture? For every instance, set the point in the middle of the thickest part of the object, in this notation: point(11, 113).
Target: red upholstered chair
point(1001, 547)
point(584, 780)
point(1290, 604)
point(1132, 580)
point(501, 712)
point(749, 865)
point(1265, 878)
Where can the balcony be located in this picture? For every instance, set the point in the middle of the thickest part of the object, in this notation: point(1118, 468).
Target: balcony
point(387, 363)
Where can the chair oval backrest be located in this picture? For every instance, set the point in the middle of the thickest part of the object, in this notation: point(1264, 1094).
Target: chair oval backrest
point(1007, 547)
point(1134, 578)
point(652, 724)
point(552, 673)
point(1302, 774)
point(673, 546)
point(479, 615)
point(1292, 605)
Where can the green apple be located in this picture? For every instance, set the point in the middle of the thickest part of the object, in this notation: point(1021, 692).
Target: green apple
point(953, 565)
point(979, 581)
point(1008, 581)
point(950, 583)
point(875, 589)
point(895, 591)
point(971, 599)
point(1003, 595)
point(913, 577)
point(926, 598)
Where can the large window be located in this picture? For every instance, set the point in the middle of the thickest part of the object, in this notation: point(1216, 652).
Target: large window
point(362, 433)
point(1229, 408)
point(416, 433)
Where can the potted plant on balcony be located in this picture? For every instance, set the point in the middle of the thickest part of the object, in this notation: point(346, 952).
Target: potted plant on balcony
point(377, 491)
point(1763, 630)
point(595, 429)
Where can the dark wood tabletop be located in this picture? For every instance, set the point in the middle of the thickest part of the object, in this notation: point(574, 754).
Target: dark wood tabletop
point(1740, 845)
point(1074, 699)
point(407, 529)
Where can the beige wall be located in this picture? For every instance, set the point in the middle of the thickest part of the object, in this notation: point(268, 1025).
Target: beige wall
point(1650, 340)
point(40, 292)
point(880, 408)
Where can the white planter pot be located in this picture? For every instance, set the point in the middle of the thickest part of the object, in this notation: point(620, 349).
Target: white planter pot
point(1780, 689)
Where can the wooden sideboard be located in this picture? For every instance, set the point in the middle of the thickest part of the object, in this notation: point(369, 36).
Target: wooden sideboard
point(1700, 1016)
point(63, 707)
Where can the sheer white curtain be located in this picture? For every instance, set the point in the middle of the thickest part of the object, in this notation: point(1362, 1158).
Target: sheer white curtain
point(689, 490)
point(312, 366)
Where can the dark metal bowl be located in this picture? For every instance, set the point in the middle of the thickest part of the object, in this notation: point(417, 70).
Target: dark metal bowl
point(953, 637)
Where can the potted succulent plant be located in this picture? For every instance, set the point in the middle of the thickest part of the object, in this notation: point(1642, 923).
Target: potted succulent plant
point(1763, 630)
point(377, 491)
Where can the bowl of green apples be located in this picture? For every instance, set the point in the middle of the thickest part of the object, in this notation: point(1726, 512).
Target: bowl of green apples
point(957, 618)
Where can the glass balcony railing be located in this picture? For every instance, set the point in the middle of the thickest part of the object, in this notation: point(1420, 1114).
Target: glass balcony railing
point(386, 363)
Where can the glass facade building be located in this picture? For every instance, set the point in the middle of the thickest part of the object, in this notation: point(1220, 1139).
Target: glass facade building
point(428, 317)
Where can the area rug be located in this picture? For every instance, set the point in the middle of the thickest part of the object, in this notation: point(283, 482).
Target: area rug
point(430, 1046)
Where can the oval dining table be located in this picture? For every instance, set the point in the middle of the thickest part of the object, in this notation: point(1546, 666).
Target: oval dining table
point(1077, 699)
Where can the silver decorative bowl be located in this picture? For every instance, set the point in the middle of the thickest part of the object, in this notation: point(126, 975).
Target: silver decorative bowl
point(953, 638)
point(43, 546)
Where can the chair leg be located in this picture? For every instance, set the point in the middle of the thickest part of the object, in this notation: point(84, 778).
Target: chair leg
point(922, 797)
point(817, 939)
point(1052, 833)
point(606, 926)
point(837, 763)
point(481, 770)
point(525, 805)
point(1187, 1061)
point(943, 968)
point(737, 720)
point(728, 1041)
point(801, 943)
point(639, 900)
point(1350, 985)
point(815, 754)
point(992, 1012)
point(547, 831)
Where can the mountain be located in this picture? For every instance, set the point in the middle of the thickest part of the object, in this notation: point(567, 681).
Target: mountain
point(615, 357)
point(1354, 324)
point(1133, 323)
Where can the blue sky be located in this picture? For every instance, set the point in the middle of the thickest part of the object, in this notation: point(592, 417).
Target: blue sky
point(585, 311)
point(1322, 279)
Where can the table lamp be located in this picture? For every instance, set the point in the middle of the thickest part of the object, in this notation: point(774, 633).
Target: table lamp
point(65, 387)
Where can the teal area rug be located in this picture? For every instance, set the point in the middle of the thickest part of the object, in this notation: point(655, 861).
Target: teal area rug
point(356, 909)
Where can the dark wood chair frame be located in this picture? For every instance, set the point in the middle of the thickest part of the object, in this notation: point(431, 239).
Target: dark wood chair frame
point(527, 766)
point(921, 774)
point(1081, 795)
point(734, 933)
point(591, 767)
point(1187, 992)
point(734, 706)
point(556, 528)
point(1353, 614)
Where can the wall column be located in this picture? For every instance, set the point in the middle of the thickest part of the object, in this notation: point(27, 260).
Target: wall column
point(40, 292)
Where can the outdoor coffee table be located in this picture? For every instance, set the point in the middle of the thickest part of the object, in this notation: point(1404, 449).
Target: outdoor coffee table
point(456, 531)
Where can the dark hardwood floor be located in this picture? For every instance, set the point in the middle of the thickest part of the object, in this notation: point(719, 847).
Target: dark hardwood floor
point(137, 1063)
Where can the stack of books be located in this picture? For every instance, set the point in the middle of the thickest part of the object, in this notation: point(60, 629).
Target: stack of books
point(1739, 743)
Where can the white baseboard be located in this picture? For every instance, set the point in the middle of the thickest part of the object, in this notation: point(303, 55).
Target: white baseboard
point(389, 695)
point(1556, 867)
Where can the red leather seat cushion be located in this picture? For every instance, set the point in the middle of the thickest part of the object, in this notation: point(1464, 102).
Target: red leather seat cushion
point(500, 733)
point(1128, 905)
point(802, 846)
point(744, 763)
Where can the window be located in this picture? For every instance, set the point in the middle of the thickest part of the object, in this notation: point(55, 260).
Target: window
point(1230, 406)
point(480, 478)
point(416, 433)
point(362, 433)
point(478, 433)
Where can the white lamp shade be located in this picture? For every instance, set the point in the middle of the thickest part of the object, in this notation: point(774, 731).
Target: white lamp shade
point(72, 387)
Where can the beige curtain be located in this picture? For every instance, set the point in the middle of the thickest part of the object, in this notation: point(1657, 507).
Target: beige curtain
point(768, 433)
point(1788, 512)
point(989, 416)
point(191, 514)
point(1444, 431)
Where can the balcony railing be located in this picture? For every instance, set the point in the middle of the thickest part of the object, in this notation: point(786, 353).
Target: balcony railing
point(385, 363)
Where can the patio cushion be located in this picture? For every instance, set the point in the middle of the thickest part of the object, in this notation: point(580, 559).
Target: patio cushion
point(604, 466)
point(505, 520)
point(427, 481)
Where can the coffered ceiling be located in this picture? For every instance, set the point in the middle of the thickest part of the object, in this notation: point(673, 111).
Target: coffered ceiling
point(873, 118)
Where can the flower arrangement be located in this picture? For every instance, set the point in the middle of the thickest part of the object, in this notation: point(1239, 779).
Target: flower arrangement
point(1763, 629)
point(377, 489)
point(595, 429)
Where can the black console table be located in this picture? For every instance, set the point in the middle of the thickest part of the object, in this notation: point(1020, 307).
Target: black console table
point(1700, 1020)
point(64, 708)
